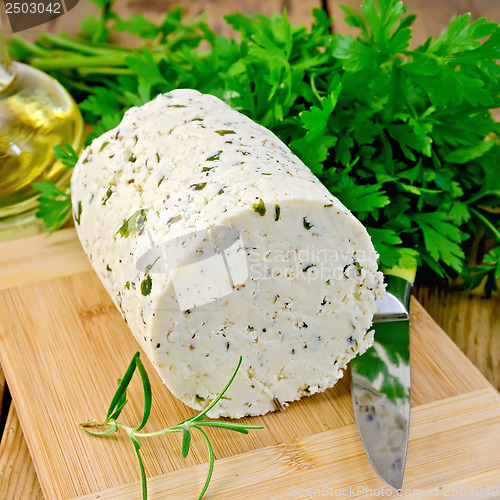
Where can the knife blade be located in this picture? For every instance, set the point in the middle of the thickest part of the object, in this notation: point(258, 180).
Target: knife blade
point(380, 383)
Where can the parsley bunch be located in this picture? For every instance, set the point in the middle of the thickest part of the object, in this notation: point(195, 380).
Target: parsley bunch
point(404, 138)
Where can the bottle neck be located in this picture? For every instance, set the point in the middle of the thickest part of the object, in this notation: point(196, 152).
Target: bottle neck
point(6, 69)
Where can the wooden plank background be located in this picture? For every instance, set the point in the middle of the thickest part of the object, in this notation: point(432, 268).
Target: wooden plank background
point(470, 320)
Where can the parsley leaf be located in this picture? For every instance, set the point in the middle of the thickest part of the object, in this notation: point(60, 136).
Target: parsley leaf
point(442, 238)
point(66, 154)
point(54, 204)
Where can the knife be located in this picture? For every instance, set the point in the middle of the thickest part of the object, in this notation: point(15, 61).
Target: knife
point(380, 381)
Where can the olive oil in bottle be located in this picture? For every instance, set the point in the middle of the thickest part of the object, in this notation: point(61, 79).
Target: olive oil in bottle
point(36, 114)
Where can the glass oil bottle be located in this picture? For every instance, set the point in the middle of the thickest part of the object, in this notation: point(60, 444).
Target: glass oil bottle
point(36, 113)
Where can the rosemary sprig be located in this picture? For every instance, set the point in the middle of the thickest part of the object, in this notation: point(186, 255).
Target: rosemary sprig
point(198, 421)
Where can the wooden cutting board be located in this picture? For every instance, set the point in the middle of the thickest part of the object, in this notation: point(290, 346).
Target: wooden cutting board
point(63, 345)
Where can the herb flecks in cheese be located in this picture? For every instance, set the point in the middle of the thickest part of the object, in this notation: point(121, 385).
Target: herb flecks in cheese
point(198, 186)
point(78, 213)
point(134, 224)
point(216, 156)
point(109, 192)
point(260, 207)
point(225, 132)
point(146, 285)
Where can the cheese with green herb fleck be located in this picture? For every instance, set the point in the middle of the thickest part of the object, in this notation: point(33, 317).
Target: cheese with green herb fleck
point(187, 162)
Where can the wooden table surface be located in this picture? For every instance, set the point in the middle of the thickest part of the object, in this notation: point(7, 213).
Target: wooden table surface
point(470, 320)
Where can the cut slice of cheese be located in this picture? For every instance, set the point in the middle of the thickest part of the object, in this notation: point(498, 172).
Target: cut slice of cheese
point(216, 242)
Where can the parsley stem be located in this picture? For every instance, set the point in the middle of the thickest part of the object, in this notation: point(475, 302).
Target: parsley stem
point(314, 89)
point(486, 222)
point(112, 47)
point(104, 70)
point(85, 48)
point(481, 194)
point(77, 61)
point(31, 47)
point(82, 87)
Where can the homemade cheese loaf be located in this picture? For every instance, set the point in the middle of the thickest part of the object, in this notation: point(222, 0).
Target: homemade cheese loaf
point(216, 242)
